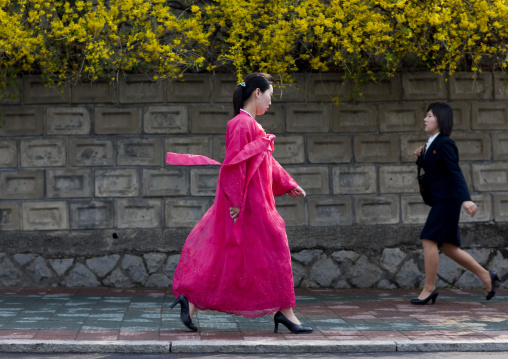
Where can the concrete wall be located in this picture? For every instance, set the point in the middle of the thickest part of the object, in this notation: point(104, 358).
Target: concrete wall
point(87, 200)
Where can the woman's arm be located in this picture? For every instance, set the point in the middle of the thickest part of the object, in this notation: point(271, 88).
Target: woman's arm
point(282, 182)
point(450, 155)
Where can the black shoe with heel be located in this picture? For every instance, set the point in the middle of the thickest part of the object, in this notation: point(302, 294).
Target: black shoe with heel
point(294, 328)
point(184, 312)
point(432, 296)
point(493, 278)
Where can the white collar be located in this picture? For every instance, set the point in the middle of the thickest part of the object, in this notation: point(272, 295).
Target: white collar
point(246, 112)
point(431, 139)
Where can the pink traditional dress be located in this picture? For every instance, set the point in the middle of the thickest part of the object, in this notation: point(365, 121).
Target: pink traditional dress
point(242, 267)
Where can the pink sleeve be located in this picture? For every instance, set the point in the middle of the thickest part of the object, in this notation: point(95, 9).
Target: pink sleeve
point(232, 178)
point(282, 181)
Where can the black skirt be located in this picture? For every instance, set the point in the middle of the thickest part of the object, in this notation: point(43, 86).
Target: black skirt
point(442, 224)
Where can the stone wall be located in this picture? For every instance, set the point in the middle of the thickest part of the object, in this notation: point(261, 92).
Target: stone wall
point(87, 200)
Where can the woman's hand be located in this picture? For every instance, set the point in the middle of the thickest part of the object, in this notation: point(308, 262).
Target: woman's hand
point(297, 192)
point(234, 212)
point(469, 207)
point(418, 152)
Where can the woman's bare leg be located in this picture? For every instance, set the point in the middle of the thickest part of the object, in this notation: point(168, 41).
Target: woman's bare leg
point(192, 308)
point(464, 259)
point(431, 263)
point(288, 313)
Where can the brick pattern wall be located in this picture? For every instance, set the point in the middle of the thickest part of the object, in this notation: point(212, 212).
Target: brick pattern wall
point(92, 157)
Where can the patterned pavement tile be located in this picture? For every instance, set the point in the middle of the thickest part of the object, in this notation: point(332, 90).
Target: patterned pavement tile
point(142, 314)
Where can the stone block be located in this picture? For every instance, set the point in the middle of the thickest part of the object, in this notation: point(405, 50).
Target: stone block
point(8, 153)
point(96, 92)
point(466, 172)
point(314, 180)
point(273, 119)
point(383, 89)
point(34, 92)
point(354, 118)
point(22, 185)
point(414, 211)
point(401, 117)
point(500, 85)
point(469, 86)
point(139, 213)
point(92, 214)
point(289, 149)
point(398, 179)
point(194, 88)
point(324, 87)
point(423, 86)
point(139, 152)
point(489, 116)
point(117, 121)
point(329, 149)
point(11, 95)
point(473, 146)
point(461, 115)
point(326, 211)
point(224, 87)
point(409, 143)
point(210, 119)
point(500, 207)
point(307, 117)
point(9, 216)
point(90, 152)
point(292, 210)
point(116, 183)
point(203, 181)
point(219, 148)
point(377, 209)
point(490, 177)
point(165, 182)
point(68, 183)
point(22, 122)
point(67, 121)
point(43, 153)
point(484, 212)
point(195, 145)
point(294, 91)
point(499, 145)
point(45, 216)
point(382, 148)
point(354, 179)
point(141, 89)
point(185, 212)
point(162, 120)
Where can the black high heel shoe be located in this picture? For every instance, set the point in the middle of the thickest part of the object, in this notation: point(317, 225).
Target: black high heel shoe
point(184, 312)
point(294, 328)
point(432, 296)
point(493, 278)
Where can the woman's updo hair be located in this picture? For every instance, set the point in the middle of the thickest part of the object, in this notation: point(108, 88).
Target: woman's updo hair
point(244, 90)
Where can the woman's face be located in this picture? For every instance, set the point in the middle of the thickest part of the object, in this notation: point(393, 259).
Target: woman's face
point(430, 123)
point(264, 100)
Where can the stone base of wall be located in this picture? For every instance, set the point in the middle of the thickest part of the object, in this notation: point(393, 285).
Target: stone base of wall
point(375, 256)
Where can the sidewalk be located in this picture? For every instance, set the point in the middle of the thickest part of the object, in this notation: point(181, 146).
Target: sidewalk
point(356, 320)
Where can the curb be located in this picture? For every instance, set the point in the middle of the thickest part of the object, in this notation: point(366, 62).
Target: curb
point(248, 347)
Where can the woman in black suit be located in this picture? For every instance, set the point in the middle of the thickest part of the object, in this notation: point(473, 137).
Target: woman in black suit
point(440, 161)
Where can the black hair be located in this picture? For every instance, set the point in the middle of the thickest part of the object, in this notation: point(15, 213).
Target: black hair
point(243, 91)
point(444, 114)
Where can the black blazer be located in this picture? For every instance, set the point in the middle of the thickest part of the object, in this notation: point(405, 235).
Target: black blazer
point(442, 171)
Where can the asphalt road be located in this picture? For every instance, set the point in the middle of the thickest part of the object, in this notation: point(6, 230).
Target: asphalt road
point(426, 355)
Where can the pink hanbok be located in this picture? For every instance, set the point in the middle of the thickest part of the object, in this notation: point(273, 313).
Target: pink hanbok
point(242, 267)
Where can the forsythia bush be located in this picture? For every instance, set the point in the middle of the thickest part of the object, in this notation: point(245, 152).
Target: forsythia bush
point(90, 40)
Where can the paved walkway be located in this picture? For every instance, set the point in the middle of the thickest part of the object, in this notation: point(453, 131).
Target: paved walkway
point(106, 320)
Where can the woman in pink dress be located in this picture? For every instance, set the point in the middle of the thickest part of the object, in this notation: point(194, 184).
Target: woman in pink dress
point(236, 259)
